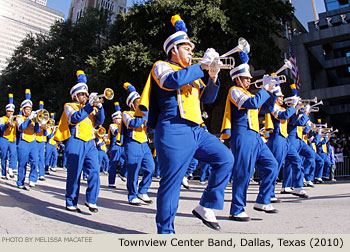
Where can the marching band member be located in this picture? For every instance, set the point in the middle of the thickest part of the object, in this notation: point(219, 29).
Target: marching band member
point(241, 127)
point(115, 149)
point(171, 102)
point(40, 145)
point(8, 141)
point(278, 141)
point(51, 150)
point(102, 153)
point(138, 154)
point(322, 151)
point(26, 150)
point(295, 136)
point(76, 128)
point(311, 138)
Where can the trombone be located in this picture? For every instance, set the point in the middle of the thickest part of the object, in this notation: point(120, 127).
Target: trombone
point(108, 94)
point(280, 79)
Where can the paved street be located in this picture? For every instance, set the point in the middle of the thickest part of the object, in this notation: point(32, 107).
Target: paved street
point(42, 211)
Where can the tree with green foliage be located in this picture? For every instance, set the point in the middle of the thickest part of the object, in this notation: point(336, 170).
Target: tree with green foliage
point(126, 51)
point(137, 39)
point(46, 64)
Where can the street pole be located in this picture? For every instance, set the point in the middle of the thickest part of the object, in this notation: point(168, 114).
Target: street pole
point(314, 8)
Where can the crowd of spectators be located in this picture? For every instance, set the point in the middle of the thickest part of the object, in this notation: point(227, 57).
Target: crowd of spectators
point(341, 144)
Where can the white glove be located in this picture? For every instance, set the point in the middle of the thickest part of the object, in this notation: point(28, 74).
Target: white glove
point(208, 57)
point(32, 115)
point(92, 99)
point(99, 105)
point(214, 68)
point(266, 83)
point(294, 100)
point(307, 109)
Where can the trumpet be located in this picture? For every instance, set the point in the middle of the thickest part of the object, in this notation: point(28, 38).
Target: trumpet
point(326, 130)
point(108, 94)
point(331, 134)
point(289, 100)
point(42, 116)
point(277, 80)
point(313, 108)
point(12, 120)
point(100, 132)
point(243, 45)
point(280, 79)
point(308, 101)
point(226, 62)
point(321, 125)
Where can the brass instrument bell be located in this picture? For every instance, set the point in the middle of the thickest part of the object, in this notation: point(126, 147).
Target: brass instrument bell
point(108, 94)
point(42, 116)
point(100, 132)
point(12, 121)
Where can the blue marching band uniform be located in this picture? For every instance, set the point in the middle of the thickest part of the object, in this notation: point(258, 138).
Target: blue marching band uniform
point(170, 108)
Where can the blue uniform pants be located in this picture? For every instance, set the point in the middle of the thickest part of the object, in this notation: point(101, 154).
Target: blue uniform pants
point(327, 165)
point(79, 154)
point(123, 169)
point(50, 156)
point(41, 158)
point(192, 167)
point(176, 145)
point(103, 160)
point(8, 147)
point(249, 151)
point(283, 150)
point(303, 150)
point(27, 153)
point(204, 168)
point(115, 156)
point(138, 157)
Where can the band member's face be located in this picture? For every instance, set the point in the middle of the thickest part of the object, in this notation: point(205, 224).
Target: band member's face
point(9, 113)
point(27, 111)
point(82, 98)
point(185, 54)
point(244, 83)
point(136, 103)
point(279, 100)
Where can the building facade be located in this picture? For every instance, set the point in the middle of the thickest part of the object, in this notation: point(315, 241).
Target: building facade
point(42, 2)
point(78, 7)
point(19, 18)
point(323, 57)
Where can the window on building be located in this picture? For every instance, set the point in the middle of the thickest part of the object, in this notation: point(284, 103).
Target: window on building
point(336, 4)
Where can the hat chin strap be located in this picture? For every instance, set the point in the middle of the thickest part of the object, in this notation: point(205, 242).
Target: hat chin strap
point(178, 56)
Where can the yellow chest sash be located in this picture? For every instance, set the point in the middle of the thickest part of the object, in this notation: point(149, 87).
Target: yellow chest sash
point(10, 132)
point(138, 134)
point(84, 130)
point(188, 97)
point(28, 134)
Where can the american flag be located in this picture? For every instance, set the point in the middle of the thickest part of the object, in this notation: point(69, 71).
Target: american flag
point(293, 61)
